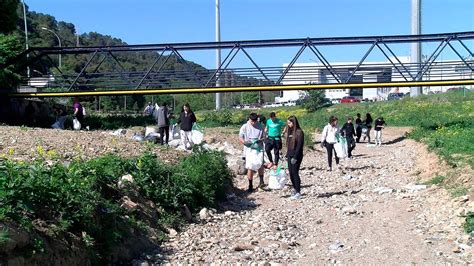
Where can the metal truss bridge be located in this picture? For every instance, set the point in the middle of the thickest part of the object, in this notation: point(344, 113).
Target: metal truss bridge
point(381, 61)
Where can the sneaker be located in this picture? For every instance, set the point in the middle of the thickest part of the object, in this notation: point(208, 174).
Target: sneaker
point(263, 187)
point(297, 196)
point(250, 190)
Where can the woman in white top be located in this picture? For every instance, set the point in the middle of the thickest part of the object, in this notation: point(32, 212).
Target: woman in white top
point(328, 139)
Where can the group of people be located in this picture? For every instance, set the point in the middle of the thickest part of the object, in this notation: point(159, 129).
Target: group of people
point(255, 136)
point(352, 135)
point(186, 121)
point(267, 136)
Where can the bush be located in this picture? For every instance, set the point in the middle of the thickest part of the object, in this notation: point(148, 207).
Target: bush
point(83, 198)
point(469, 224)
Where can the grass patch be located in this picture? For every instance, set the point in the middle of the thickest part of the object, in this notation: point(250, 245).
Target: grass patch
point(469, 224)
point(457, 191)
point(435, 180)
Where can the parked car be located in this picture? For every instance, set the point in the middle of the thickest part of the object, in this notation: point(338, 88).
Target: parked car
point(350, 99)
point(395, 96)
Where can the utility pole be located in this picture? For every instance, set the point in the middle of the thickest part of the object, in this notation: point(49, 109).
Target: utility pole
point(416, 46)
point(26, 37)
point(218, 55)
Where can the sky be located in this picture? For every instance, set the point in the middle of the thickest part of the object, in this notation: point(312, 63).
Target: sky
point(170, 21)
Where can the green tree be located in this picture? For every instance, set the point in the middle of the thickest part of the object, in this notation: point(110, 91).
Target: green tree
point(10, 46)
point(314, 100)
point(8, 16)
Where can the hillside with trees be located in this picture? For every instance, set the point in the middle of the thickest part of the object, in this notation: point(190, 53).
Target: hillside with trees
point(12, 42)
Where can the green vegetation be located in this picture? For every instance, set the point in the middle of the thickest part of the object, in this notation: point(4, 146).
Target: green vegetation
point(84, 198)
point(469, 224)
point(435, 180)
point(445, 122)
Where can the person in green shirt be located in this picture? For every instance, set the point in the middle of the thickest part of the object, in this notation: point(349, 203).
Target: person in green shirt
point(273, 129)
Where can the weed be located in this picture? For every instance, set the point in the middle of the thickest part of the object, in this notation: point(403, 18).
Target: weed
point(457, 191)
point(469, 224)
point(435, 180)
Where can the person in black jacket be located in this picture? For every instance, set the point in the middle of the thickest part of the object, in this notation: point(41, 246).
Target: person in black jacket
point(294, 142)
point(368, 123)
point(349, 133)
point(186, 121)
point(358, 127)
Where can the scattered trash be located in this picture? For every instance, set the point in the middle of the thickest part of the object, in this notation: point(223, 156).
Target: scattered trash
point(349, 177)
point(383, 190)
point(138, 137)
point(336, 247)
point(119, 132)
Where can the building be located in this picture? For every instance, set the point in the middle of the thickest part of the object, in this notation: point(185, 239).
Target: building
point(369, 72)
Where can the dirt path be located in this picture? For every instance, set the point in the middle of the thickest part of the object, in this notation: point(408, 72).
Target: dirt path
point(377, 216)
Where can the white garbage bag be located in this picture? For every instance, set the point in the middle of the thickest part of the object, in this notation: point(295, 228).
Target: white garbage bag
point(197, 134)
point(253, 159)
point(341, 148)
point(150, 130)
point(277, 179)
point(76, 124)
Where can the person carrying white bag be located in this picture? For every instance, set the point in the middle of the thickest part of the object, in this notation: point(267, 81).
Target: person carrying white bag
point(328, 140)
point(251, 136)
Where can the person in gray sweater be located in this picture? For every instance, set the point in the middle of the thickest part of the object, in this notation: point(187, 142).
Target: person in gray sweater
point(163, 120)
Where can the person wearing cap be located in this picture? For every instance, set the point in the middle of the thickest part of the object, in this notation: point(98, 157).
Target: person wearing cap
point(273, 130)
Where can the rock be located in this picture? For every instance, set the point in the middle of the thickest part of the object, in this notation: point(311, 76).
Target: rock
point(172, 233)
point(348, 210)
point(124, 180)
point(415, 188)
point(229, 213)
point(187, 213)
point(204, 214)
point(128, 204)
point(243, 247)
point(313, 245)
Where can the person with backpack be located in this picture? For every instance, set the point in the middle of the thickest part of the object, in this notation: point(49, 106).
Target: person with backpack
point(186, 120)
point(328, 139)
point(379, 125)
point(294, 155)
point(273, 130)
point(349, 133)
point(251, 136)
point(163, 121)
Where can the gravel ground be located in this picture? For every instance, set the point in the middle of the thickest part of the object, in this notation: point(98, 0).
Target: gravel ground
point(369, 211)
point(377, 215)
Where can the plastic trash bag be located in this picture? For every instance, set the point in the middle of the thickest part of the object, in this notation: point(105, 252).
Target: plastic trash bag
point(174, 132)
point(138, 137)
point(277, 179)
point(150, 130)
point(197, 134)
point(253, 159)
point(341, 147)
point(76, 124)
